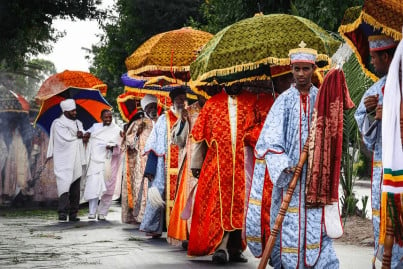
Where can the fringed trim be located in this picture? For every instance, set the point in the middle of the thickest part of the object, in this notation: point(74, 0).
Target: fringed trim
point(393, 203)
point(13, 110)
point(350, 28)
point(364, 17)
point(382, 225)
point(251, 66)
point(151, 81)
point(243, 67)
point(173, 69)
point(155, 92)
point(396, 35)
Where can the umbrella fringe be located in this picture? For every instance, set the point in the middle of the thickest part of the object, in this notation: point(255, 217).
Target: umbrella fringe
point(252, 66)
point(366, 18)
point(148, 68)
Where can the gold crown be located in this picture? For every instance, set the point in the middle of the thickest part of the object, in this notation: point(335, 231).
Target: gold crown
point(302, 49)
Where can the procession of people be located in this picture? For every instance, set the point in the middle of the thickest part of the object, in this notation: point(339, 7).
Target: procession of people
point(226, 169)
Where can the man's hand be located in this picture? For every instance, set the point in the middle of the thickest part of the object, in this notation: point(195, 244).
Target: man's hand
point(289, 170)
point(378, 114)
point(79, 134)
point(371, 102)
point(196, 172)
point(86, 137)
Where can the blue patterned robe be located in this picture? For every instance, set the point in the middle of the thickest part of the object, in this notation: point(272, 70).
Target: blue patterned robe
point(157, 143)
point(304, 242)
point(373, 142)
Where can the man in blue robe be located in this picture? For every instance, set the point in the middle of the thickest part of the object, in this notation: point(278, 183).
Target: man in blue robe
point(303, 241)
point(162, 167)
point(368, 116)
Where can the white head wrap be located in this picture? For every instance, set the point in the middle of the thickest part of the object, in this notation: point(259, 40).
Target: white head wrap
point(148, 99)
point(68, 105)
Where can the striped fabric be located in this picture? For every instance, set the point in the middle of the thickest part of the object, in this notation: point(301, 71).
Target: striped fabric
point(392, 152)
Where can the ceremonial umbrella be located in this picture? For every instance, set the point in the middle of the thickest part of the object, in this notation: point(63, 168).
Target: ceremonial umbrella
point(169, 53)
point(375, 17)
point(138, 86)
point(89, 103)
point(60, 81)
point(244, 50)
point(129, 104)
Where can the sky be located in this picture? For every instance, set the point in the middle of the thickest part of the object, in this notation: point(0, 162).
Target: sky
point(69, 51)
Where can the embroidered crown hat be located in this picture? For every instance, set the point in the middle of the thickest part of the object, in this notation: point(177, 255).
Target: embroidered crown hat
point(303, 54)
point(381, 42)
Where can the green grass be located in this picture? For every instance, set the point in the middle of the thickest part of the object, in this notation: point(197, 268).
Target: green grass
point(43, 213)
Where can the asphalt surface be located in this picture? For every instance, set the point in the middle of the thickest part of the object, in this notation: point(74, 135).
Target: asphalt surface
point(43, 242)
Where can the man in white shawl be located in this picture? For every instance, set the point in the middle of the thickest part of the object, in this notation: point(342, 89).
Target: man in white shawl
point(66, 148)
point(103, 153)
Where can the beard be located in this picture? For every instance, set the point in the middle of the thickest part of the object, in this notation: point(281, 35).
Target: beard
point(152, 114)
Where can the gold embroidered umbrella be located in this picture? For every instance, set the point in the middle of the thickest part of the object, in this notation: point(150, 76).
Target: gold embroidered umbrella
point(244, 50)
point(375, 17)
point(169, 53)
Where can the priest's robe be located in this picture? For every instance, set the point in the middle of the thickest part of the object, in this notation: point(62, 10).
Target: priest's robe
point(135, 186)
point(165, 173)
point(220, 198)
point(302, 241)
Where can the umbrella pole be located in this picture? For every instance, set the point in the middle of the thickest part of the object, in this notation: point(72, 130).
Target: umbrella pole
point(283, 209)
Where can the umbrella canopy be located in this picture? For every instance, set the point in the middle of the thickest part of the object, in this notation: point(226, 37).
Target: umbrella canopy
point(89, 103)
point(159, 85)
point(12, 102)
point(245, 49)
point(59, 82)
point(169, 53)
point(129, 104)
point(375, 17)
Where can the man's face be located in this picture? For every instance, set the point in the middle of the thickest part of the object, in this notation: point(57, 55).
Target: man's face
point(380, 62)
point(107, 118)
point(151, 110)
point(72, 114)
point(179, 102)
point(302, 73)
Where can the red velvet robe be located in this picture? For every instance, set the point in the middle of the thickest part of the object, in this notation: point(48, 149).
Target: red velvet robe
point(220, 198)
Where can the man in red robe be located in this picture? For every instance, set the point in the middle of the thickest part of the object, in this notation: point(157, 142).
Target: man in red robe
point(218, 214)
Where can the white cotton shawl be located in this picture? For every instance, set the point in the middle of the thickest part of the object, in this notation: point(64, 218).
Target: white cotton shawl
point(67, 151)
point(392, 153)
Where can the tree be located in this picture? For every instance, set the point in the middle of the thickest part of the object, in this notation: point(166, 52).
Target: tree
point(26, 27)
point(221, 13)
point(326, 13)
point(138, 21)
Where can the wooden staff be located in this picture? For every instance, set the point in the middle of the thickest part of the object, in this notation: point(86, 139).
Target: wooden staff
point(389, 239)
point(283, 209)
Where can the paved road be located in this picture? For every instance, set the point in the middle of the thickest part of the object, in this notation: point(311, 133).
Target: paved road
point(35, 242)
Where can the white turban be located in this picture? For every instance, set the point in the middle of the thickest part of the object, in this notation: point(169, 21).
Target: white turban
point(68, 105)
point(148, 99)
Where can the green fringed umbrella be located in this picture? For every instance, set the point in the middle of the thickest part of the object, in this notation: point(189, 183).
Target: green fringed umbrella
point(244, 50)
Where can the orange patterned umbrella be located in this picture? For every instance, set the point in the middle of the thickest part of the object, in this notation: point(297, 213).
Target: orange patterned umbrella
point(60, 81)
point(169, 53)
